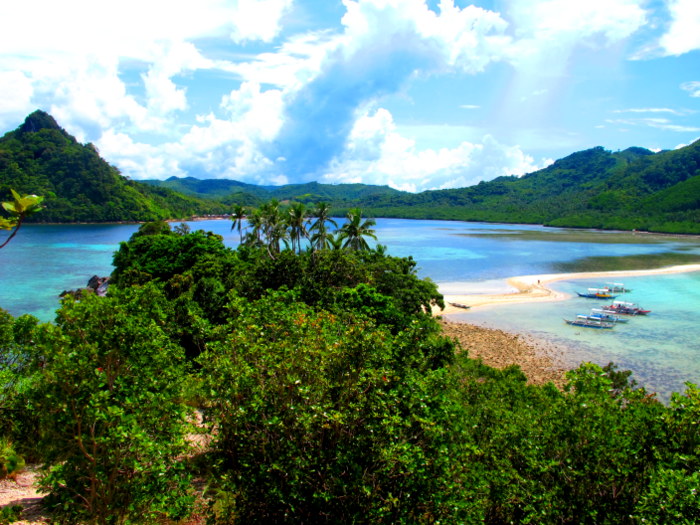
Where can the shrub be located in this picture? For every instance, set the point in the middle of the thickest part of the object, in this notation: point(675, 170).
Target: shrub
point(112, 421)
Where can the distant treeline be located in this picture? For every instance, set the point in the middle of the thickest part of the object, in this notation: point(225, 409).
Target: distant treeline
point(634, 189)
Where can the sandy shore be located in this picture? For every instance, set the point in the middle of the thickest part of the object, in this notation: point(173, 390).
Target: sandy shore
point(532, 288)
point(540, 361)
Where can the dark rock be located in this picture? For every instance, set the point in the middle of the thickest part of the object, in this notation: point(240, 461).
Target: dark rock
point(96, 285)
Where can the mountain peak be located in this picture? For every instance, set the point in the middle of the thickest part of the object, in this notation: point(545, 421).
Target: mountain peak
point(37, 121)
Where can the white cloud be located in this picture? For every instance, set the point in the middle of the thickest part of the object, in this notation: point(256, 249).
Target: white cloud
point(72, 57)
point(659, 123)
point(683, 34)
point(258, 19)
point(377, 154)
point(652, 110)
point(16, 93)
point(548, 31)
point(693, 88)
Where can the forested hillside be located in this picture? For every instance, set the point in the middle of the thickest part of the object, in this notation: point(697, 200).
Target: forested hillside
point(234, 192)
point(595, 188)
point(40, 158)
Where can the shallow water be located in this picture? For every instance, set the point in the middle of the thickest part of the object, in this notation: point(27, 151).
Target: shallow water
point(661, 348)
point(42, 261)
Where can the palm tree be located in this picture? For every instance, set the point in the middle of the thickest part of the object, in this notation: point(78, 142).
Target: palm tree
point(320, 239)
point(237, 216)
point(354, 231)
point(296, 220)
point(273, 226)
point(255, 221)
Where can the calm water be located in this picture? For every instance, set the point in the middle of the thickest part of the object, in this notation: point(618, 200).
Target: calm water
point(42, 261)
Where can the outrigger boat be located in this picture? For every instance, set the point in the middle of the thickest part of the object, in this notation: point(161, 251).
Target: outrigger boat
point(460, 305)
point(623, 308)
point(597, 293)
point(588, 322)
point(599, 313)
point(616, 288)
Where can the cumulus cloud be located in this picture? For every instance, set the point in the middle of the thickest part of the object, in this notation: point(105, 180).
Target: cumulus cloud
point(72, 57)
point(121, 75)
point(16, 91)
point(258, 19)
point(683, 35)
point(377, 154)
point(384, 44)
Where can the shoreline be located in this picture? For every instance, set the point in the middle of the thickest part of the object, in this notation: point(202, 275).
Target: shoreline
point(541, 361)
point(532, 288)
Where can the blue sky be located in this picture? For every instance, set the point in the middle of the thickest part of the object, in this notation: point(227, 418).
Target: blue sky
point(415, 94)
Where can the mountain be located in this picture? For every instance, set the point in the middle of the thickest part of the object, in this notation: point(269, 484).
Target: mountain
point(594, 188)
point(234, 192)
point(41, 158)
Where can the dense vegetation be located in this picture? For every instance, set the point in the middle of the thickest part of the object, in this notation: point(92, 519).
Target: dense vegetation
point(323, 392)
point(40, 158)
point(631, 189)
point(595, 188)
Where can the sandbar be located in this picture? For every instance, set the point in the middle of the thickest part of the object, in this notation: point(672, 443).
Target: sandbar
point(532, 288)
point(541, 361)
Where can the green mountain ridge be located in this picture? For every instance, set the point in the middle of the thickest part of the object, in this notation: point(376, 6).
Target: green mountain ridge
point(595, 188)
point(41, 158)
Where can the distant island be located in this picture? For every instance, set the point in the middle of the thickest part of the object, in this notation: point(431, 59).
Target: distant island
point(634, 189)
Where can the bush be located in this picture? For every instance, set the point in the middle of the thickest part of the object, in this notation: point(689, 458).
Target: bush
point(11, 463)
point(324, 418)
point(112, 420)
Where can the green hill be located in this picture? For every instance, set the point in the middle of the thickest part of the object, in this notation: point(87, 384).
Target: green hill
point(233, 192)
point(595, 188)
point(41, 158)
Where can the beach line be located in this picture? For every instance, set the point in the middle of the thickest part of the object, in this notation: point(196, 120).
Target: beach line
point(532, 288)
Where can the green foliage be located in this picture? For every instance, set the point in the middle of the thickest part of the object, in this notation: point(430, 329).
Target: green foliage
point(320, 417)
point(328, 393)
point(10, 514)
point(155, 252)
point(11, 463)
point(21, 207)
point(112, 421)
point(673, 497)
point(19, 365)
point(40, 157)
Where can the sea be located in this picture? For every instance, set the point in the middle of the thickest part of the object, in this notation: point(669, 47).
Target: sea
point(661, 349)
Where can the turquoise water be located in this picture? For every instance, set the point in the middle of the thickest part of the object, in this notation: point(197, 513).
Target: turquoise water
point(42, 261)
point(662, 348)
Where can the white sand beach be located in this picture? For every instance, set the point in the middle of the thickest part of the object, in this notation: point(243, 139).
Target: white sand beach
point(532, 288)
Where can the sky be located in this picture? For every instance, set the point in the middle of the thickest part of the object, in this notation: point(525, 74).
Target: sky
point(414, 94)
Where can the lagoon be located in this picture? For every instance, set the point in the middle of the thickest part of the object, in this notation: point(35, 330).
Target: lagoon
point(42, 261)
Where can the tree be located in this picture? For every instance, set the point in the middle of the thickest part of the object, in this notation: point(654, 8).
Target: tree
point(112, 420)
point(296, 220)
point(19, 208)
point(237, 216)
point(273, 226)
point(320, 240)
point(354, 231)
